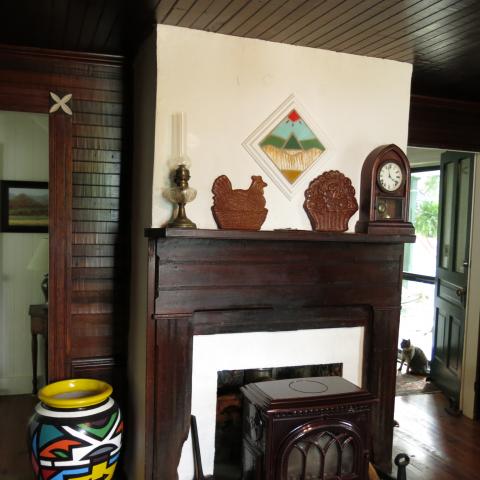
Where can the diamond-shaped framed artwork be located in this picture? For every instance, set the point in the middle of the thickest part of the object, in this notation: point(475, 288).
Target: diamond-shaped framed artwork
point(287, 144)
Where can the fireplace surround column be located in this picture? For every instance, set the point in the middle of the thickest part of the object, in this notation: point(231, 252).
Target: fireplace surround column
point(205, 282)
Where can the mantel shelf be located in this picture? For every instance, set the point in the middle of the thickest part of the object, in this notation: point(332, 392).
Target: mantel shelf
point(276, 235)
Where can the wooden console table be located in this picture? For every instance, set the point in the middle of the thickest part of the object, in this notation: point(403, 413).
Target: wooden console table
point(38, 325)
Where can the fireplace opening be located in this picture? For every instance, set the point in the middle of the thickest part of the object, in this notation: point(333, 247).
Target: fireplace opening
point(228, 428)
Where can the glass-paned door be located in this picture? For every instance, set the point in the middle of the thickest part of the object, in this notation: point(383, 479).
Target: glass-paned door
point(452, 271)
point(418, 290)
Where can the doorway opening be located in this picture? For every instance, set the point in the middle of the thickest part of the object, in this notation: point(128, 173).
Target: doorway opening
point(418, 287)
point(24, 265)
point(436, 272)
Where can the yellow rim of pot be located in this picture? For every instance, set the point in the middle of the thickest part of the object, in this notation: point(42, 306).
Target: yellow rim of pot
point(62, 394)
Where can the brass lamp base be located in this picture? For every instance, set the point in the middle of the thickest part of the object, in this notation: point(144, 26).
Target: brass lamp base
point(181, 221)
point(181, 195)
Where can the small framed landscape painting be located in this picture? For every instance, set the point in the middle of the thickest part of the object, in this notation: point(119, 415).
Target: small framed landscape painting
point(24, 206)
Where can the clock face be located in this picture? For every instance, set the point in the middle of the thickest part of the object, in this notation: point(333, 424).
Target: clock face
point(390, 176)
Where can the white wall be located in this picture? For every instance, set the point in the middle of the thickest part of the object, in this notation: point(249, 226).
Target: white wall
point(228, 86)
point(23, 156)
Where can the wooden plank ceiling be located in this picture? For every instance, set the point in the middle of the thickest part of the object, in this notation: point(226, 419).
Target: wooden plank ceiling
point(440, 37)
point(78, 25)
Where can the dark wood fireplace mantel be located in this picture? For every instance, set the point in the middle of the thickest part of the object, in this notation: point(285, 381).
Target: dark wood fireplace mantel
point(276, 235)
point(217, 281)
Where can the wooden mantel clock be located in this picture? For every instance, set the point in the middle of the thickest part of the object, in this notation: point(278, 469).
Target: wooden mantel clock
point(384, 193)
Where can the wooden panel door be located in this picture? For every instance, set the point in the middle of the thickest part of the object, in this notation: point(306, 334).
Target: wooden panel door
point(456, 180)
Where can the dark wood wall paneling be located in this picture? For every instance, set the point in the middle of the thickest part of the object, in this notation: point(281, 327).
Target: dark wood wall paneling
point(96, 170)
point(89, 332)
point(443, 123)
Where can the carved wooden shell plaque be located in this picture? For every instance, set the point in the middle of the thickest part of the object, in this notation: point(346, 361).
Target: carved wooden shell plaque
point(239, 209)
point(330, 202)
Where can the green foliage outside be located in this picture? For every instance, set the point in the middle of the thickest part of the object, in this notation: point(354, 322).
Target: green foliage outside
point(426, 219)
point(426, 214)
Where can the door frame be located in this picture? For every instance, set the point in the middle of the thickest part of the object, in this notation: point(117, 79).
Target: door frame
point(33, 96)
point(452, 124)
point(415, 277)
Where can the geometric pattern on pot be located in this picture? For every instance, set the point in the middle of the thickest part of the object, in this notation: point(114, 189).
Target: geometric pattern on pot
point(80, 445)
point(287, 145)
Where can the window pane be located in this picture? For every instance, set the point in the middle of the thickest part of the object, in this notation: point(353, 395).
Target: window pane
point(447, 215)
point(416, 318)
point(420, 257)
point(462, 215)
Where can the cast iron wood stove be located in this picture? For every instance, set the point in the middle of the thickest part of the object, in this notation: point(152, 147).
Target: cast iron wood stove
point(314, 428)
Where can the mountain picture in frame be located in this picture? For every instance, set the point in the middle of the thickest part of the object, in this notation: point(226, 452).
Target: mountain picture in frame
point(24, 206)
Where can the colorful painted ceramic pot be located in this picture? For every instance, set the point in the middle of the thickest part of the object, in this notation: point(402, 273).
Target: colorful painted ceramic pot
point(76, 431)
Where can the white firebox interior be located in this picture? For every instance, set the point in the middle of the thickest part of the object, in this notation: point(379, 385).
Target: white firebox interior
point(213, 353)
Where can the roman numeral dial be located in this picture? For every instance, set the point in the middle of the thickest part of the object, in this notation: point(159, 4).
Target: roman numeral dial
point(390, 177)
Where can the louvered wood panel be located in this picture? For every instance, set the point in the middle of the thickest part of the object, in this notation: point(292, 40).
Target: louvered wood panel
point(87, 274)
point(96, 252)
point(87, 167)
point(94, 238)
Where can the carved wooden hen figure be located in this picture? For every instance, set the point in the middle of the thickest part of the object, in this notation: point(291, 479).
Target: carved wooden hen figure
point(237, 208)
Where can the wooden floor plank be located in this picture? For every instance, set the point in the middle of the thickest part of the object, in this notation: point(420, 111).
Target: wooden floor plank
point(14, 458)
point(441, 447)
